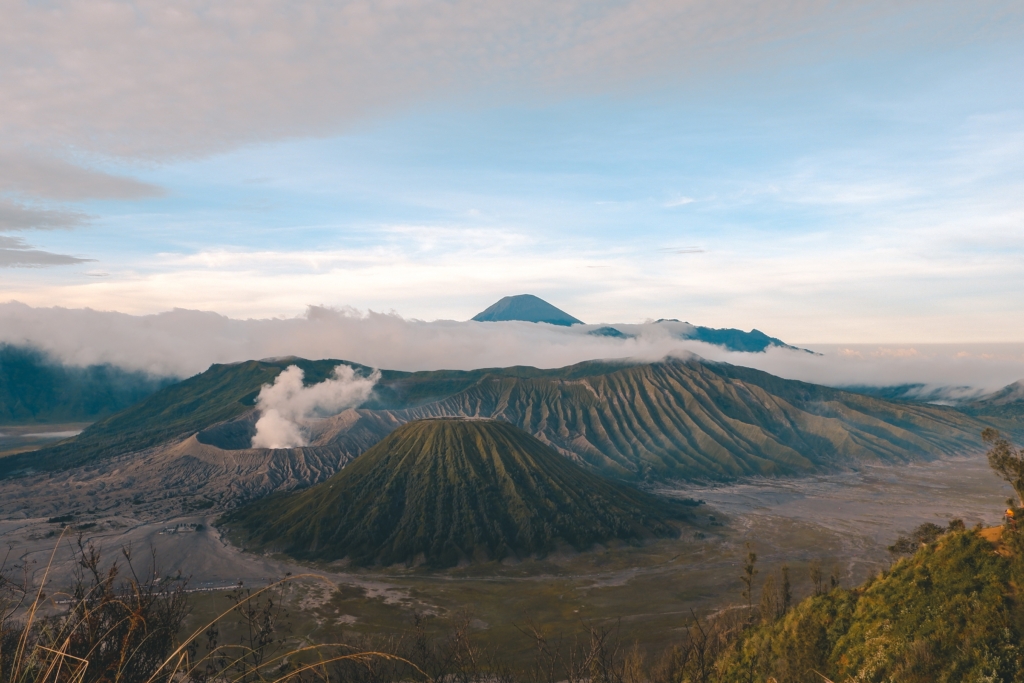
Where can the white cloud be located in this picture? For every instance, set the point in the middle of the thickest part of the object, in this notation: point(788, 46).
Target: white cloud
point(911, 277)
point(185, 342)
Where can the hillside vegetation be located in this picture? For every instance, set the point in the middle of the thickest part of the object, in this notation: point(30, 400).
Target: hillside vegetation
point(443, 491)
point(951, 612)
point(35, 389)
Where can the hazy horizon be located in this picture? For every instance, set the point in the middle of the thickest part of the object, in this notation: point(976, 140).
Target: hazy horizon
point(182, 343)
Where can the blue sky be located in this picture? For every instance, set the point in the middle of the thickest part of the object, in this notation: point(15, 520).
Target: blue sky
point(832, 181)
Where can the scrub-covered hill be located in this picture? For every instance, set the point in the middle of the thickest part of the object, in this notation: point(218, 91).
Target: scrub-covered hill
point(952, 612)
point(443, 491)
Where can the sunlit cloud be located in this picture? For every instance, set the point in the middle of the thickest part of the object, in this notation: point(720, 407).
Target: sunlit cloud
point(790, 292)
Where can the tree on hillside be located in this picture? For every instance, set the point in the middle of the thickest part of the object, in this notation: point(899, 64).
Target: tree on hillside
point(787, 591)
point(1006, 460)
point(749, 572)
point(816, 576)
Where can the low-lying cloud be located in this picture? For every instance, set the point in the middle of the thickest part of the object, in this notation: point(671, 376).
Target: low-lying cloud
point(287, 406)
point(185, 342)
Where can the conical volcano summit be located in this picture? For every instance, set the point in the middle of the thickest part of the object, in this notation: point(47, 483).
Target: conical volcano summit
point(445, 491)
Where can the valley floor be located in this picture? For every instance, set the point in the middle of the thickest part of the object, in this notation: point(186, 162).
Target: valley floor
point(25, 438)
point(843, 521)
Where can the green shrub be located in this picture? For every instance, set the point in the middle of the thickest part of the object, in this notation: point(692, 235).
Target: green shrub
point(948, 613)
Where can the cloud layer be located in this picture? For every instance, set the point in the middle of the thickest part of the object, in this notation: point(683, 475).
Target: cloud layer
point(101, 89)
point(182, 343)
point(148, 79)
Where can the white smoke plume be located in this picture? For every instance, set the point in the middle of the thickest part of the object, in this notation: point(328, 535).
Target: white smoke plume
point(287, 406)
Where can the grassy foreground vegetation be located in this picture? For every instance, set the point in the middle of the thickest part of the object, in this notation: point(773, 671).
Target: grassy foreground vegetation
point(951, 612)
point(948, 612)
point(947, 609)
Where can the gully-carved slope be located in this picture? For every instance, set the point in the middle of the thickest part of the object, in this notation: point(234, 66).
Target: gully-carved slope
point(675, 419)
point(690, 419)
point(450, 490)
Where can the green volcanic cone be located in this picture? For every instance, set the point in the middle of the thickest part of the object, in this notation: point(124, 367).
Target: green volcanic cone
point(442, 491)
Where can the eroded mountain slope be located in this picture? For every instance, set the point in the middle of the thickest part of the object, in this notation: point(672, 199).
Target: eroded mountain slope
point(444, 491)
point(690, 419)
point(675, 419)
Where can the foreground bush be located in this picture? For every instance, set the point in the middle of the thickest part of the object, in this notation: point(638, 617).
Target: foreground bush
point(948, 613)
point(111, 625)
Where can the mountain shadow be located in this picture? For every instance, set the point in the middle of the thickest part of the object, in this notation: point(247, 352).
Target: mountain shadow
point(443, 491)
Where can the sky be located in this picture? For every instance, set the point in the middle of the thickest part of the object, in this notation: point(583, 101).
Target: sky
point(827, 172)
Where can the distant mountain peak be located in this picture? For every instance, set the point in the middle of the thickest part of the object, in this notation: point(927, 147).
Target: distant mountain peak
point(528, 308)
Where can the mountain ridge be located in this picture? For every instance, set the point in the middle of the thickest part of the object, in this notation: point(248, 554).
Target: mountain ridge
point(220, 393)
point(1006, 403)
point(688, 420)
